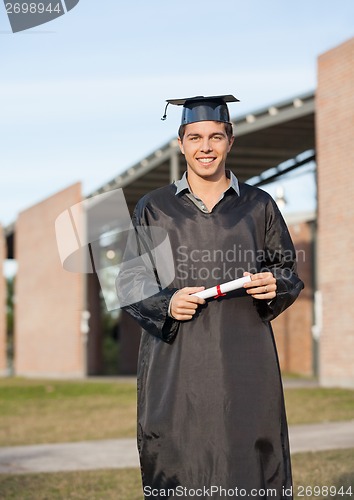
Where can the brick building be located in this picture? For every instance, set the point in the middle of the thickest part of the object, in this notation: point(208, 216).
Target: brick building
point(59, 316)
point(49, 301)
point(335, 159)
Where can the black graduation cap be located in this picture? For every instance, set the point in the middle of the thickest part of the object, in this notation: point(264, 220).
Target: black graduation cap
point(200, 108)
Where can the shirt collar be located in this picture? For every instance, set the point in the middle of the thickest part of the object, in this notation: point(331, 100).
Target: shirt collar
point(182, 184)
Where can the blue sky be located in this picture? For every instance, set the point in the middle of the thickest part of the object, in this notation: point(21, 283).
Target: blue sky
point(81, 97)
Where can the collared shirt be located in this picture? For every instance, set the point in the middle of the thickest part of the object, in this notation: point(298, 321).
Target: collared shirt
point(183, 186)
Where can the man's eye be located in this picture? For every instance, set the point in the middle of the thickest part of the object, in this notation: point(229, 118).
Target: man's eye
point(217, 137)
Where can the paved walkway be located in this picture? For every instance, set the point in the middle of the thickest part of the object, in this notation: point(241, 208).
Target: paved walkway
point(121, 453)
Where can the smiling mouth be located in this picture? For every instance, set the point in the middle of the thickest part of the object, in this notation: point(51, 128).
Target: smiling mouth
point(206, 161)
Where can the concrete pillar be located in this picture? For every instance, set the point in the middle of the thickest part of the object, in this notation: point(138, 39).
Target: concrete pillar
point(49, 299)
point(3, 358)
point(129, 340)
point(335, 158)
point(95, 337)
point(174, 166)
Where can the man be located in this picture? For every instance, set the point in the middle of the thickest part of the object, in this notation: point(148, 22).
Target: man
point(211, 418)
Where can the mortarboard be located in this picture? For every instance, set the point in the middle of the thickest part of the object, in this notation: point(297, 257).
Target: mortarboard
point(200, 108)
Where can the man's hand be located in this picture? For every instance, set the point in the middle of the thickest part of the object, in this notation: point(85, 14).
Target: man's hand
point(183, 305)
point(262, 286)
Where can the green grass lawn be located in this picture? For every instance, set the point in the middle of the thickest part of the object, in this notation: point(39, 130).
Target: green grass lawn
point(41, 411)
point(330, 468)
point(33, 412)
point(304, 406)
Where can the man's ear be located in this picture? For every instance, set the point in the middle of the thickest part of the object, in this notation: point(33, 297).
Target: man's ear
point(231, 141)
point(180, 143)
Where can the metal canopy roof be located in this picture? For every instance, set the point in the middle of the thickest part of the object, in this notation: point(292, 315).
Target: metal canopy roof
point(264, 139)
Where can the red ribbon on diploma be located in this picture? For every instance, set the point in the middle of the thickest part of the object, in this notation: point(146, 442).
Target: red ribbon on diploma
point(219, 294)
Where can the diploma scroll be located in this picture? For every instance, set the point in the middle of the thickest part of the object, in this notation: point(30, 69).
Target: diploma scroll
point(220, 290)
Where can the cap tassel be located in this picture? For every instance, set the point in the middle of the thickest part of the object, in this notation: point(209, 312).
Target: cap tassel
point(165, 113)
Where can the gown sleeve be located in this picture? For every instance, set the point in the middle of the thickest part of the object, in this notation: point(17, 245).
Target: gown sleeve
point(138, 284)
point(279, 259)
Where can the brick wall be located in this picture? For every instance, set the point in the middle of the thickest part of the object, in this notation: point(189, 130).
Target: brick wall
point(292, 329)
point(3, 361)
point(49, 300)
point(335, 158)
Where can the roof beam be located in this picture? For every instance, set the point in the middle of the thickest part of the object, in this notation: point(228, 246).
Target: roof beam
point(271, 119)
point(240, 151)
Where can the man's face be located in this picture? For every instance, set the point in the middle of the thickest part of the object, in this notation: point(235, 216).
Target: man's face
point(205, 146)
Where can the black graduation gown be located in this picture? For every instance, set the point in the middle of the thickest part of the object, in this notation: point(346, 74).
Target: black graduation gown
point(210, 399)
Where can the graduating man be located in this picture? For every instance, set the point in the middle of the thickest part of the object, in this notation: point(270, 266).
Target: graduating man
point(211, 417)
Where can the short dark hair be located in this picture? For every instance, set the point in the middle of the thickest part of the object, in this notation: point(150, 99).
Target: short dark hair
point(228, 130)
